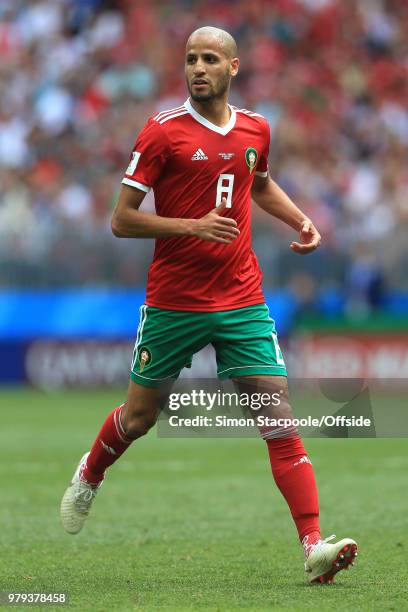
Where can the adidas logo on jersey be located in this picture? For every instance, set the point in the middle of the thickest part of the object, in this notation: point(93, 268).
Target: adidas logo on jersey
point(199, 154)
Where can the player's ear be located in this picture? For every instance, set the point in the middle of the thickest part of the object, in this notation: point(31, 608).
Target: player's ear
point(234, 67)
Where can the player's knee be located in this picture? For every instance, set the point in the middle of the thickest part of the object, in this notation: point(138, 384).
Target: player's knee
point(136, 421)
point(138, 426)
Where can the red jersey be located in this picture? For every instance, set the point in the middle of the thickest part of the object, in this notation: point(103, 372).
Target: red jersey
point(191, 164)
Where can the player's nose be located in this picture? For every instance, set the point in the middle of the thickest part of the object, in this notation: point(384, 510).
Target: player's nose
point(199, 68)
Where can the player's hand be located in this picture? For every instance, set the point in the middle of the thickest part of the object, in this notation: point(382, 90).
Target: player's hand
point(213, 227)
point(310, 239)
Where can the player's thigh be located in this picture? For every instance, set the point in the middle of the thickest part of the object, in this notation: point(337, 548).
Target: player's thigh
point(269, 395)
point(165, 343)
point(246, 344)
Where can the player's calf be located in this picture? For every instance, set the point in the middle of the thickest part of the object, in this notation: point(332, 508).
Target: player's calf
point(121, 427)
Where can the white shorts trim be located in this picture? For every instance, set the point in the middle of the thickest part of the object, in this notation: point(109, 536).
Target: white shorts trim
point(261, 365)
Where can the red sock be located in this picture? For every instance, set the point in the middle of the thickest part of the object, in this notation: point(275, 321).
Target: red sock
point(293, 474)
point(110, 443)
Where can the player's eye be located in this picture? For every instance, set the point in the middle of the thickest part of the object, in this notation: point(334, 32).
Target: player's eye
point(190, 59)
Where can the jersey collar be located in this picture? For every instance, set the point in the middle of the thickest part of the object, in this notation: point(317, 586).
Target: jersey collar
point(211, 126)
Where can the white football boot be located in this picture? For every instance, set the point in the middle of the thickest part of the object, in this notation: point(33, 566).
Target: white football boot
point(325, 560)
point(77, 501)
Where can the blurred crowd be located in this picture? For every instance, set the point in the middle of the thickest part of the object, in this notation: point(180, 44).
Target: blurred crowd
point(79, 78)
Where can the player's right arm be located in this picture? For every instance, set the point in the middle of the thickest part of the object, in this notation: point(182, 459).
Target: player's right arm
point(129, 222)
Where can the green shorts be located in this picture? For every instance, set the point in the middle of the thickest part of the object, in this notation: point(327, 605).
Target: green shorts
point(244, 340)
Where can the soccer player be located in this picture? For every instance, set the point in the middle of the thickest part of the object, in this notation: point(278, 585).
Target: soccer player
point(205, 160)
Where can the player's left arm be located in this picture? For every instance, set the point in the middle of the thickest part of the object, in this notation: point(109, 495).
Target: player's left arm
point(273, 200)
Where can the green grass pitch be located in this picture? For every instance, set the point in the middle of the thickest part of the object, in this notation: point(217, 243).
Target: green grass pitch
point(188, 524)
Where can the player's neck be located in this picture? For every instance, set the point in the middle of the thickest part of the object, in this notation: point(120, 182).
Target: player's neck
point(216, 111)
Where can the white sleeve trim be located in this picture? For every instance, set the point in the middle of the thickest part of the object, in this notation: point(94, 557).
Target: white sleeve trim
point(263, 174)
point(132, 183)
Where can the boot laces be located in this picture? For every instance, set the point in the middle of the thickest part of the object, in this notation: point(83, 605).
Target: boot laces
point(310, 547)
point(84, 497)
point(321, 542)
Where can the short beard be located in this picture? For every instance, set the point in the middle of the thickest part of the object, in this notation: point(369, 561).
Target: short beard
point(203, 97)
point(223, 86)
